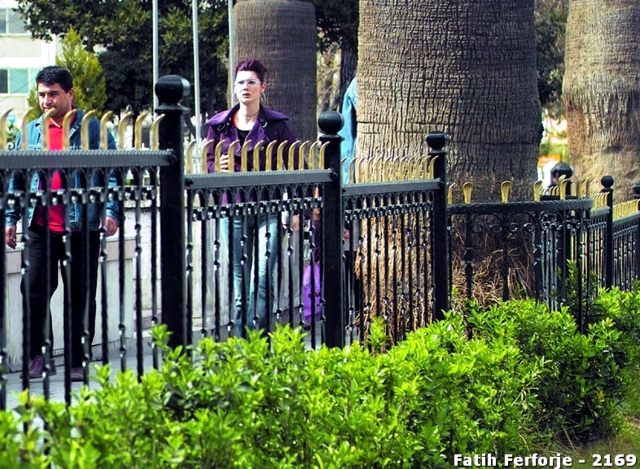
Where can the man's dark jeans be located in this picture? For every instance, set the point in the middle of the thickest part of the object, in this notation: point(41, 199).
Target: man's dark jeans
point(38, 298)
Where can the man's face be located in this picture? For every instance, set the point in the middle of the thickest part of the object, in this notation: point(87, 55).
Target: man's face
point(54, 97)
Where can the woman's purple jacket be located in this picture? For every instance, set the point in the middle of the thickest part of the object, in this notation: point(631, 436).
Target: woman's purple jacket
point(270, 126)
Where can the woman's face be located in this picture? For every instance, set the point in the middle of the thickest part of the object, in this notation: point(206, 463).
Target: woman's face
point(248, 87)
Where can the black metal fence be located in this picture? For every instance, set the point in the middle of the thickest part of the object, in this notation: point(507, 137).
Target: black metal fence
point(389, 246)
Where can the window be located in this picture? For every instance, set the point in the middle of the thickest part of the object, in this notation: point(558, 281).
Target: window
point(4, 81)
point(11, 22)
point(17, 80)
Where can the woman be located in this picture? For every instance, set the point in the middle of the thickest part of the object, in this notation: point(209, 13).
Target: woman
point(250, 121)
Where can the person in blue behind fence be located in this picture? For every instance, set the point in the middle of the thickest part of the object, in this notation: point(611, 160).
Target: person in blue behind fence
point(250, 121)
point(56, 92)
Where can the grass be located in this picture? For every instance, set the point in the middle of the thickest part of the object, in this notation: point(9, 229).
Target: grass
point(602, 453)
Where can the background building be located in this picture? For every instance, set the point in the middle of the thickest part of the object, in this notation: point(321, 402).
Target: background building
point(20, 59)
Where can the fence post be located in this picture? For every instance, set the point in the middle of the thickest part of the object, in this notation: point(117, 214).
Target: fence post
point(170, 89)
point(330, 123)
point(607, 183)
point(436, 142)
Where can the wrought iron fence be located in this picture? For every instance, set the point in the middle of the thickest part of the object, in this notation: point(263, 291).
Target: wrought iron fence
point(389, 245)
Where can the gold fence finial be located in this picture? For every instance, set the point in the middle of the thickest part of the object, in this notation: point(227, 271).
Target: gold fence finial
point(232, 155)
point(244, 156)
point(537, 190)
point(66, 126)
point(292, 151)
point(323, 148)
point(432, 166)
point(268, 155)
point(313, 149)
point(188, 156)
point(587, 188)
point(24, 144)
point(505, 187)
point(3, 128)
point(450, 193)
point(137, 130)
point(45, 129)
point(104, 132)
point(85, 143)
point(203, 156)
point(155, 132)
point(467, 189)
point(256, 155)
point(217, 155)
point(303, 154)
point(280, 155)
point(121, 129)
point(562, 187)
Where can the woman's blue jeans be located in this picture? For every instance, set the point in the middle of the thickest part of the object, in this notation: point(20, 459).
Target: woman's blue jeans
point(254, 249)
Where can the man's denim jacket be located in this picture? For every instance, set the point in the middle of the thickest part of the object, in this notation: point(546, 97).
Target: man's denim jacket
point(34, 134)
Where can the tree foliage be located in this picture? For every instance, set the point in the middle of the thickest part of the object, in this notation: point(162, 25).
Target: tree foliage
point(121, 30)
point(88, 80)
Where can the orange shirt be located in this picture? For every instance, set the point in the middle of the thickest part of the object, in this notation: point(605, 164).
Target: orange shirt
point(56, 212)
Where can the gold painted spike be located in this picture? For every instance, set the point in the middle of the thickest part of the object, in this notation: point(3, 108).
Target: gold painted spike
point(121, 129)
point(505, 187)
point(24, 144)
point(313, 149)
point(188, 157)
point(155, 132)
point(45, 129)
point(467, 190)
point(256, 155)
point(587, 188)
point(360, 172)
point(376, 168)
point(203, 156)
point(432, 165)
point(66, 126)
point(450, 194)
point(104, 132)
point(137, 129)
point(280, 156)
point(232, 155)
point(268, 155)
point(563, 182)
point(217, 155)
point(84, 128)
point(244, 156)
point(3, 128)
point(292, 152)
point(537, 190)
point(323, 148)
point(351, 171)
point(578, 187)
point(304, 154)
point(414, 168)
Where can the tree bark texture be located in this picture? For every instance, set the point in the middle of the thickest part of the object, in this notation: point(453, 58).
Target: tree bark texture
point(601, 90)
point(465, 67)
point(282, 35)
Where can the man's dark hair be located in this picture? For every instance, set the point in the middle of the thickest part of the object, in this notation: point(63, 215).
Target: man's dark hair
point(562, 169)
point(53, 74)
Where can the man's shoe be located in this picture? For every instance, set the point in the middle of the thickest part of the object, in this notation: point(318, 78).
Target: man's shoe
point(36, 368)
point(77, 374)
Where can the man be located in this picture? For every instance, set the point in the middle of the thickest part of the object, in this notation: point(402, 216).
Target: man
point(55, 92)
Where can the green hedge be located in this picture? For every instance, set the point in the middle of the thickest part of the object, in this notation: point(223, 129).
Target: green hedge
point(496, 381)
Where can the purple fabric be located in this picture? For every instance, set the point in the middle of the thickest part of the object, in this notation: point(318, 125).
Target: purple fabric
point(312, 289)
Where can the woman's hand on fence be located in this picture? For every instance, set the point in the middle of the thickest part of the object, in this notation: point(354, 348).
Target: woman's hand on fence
point(224, 162)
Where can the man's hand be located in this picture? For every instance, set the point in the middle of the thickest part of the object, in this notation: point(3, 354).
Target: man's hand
point(10, 236)
point(110, 227)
